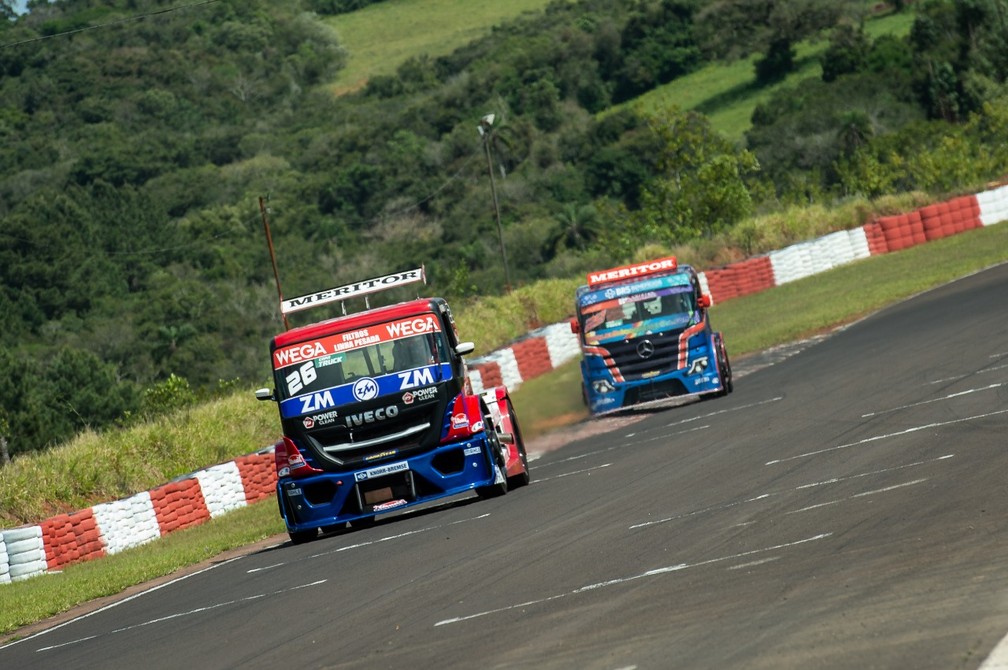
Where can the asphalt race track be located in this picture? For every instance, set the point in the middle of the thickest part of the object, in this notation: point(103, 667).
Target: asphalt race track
point(844, 508)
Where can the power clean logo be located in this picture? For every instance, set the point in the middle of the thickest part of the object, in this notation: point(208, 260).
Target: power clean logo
point(365, 388)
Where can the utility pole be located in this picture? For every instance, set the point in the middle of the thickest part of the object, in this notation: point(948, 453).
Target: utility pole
point(486, 130)
point(269, 243)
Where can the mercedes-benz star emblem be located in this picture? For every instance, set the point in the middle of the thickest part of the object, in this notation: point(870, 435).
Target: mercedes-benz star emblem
point(645, 349)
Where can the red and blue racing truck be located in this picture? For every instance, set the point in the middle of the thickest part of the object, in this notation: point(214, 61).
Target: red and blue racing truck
point(645, 336)
point(378, 414)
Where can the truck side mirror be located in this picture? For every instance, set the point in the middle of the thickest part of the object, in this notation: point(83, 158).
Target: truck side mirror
point(264, 394)
point(704, 301)
point(575, 326)
point(463, 348)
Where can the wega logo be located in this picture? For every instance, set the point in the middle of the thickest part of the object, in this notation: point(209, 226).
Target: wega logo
point(418, 326)
point(365, 388)
point(298, 353)
point(635, 270)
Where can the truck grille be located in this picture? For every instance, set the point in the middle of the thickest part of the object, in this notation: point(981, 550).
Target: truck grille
point(644, 357)
point(411, 429)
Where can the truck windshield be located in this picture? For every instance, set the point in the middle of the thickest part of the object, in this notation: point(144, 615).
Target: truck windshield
point(644, 312)
point(373, 352)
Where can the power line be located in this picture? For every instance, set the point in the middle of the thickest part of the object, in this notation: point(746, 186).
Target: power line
point(117, 22)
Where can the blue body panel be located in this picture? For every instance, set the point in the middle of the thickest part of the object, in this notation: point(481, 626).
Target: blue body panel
point(323, 499)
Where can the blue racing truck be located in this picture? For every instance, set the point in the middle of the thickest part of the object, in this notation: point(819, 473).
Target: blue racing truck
point(378, 414)
point(645, 336)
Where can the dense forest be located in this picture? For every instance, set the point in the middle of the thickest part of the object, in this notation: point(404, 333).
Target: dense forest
point(141, 136)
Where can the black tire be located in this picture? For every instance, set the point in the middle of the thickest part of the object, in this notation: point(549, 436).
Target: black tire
point(724, 368)
point(366, 522)
point(524, 478)
point(302, 536)
point(493, 444)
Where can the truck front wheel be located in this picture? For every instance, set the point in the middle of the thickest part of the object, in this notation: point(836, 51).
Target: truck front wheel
point(498, 464)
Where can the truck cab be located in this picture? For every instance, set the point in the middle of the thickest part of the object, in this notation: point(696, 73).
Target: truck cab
point(645, 335)
point(378, 415)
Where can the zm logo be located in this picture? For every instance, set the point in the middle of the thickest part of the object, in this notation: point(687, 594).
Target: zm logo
point(365, 388)
point(413, 378)
point(316, 401)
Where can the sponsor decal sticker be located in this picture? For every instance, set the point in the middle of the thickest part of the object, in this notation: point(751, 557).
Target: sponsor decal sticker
point(391, 504)
point(321, 419)
point(326, 361)
point(381, 471)
point(327, 347)
point(384, 454)
point(371, 416)
point(365, 388)
point(472, 451)
point(459, 421)
point(357, 288)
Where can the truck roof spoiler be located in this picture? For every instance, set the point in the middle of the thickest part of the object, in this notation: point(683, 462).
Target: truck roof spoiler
point(354, 290)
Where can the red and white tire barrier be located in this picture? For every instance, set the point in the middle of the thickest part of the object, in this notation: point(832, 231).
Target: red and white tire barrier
point(112, 527)
point(191, 500)
point(526, 359)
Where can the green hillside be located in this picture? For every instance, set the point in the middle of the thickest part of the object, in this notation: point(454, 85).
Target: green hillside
point(134, 267)
point(140, 141)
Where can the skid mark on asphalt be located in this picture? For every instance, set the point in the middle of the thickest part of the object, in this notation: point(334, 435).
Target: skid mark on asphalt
point(959, 394)
point(800, 487)
point(657, 572)
point(875, 438)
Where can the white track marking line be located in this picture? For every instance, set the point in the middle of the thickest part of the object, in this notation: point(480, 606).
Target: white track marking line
point(927, 402)
point(575, 472)
point(623, 580)
point(618, 446)
point(121, 602)
point(753, 564)
point(835, 480)
point(710, 414)
point(764, 496)
point(859, 495)
point(973, 374)
point(998, 659)
point(178, 615)
point(874, 438)
point(713, 508)
point(358, 545)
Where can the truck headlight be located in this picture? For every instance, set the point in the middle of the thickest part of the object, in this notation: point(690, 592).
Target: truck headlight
point(699, 365)
point(603, 386)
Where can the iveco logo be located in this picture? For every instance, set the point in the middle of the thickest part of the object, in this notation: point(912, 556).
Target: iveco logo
point(645, 349)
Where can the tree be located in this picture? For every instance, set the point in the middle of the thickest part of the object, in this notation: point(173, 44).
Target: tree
point(731, 29)
point(847, 52)
point(701, 187)
point(959, 55)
